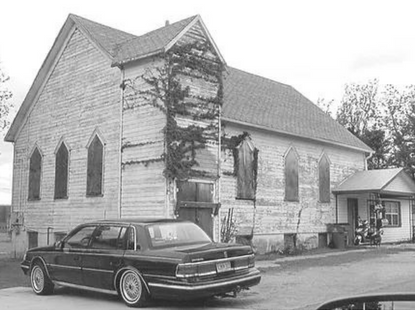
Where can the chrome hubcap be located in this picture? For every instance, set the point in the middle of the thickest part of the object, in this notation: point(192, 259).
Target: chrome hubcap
point(131, 286)
point(38, 279)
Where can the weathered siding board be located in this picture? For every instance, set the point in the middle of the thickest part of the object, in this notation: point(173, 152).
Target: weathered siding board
point(81, 92)
point(273, 214)
point(143, 183)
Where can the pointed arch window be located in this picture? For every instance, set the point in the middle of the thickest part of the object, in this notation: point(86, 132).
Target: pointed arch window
point(61, 172)
point(35, 172)
point(324, 179)
point(246, 170)
point(94, 169)
point(291, 176)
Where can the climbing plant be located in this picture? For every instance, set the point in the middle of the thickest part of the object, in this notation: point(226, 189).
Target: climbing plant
point(192, 112)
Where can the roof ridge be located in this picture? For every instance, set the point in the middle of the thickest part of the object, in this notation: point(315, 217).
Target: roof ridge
point(152, 31)
point(102, 25)
point(262, 77)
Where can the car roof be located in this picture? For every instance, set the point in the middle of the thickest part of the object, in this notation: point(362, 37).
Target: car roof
point(135, 221)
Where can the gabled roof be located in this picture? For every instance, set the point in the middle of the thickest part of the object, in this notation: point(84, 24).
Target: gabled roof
point(248, 99)
point(382, 181)
point(119, 46)
point(152, 42)
point(107, 38)
point(261, 102)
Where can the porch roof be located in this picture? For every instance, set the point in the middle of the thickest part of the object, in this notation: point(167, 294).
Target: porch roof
point(382, 181)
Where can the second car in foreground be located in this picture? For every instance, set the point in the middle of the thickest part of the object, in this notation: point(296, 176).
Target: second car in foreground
point(141, 259)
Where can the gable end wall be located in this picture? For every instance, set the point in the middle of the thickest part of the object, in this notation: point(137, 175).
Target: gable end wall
point(81, 95)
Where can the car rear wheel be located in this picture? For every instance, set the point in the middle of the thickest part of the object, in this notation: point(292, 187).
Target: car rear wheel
point(41, 284)
point(132, 289)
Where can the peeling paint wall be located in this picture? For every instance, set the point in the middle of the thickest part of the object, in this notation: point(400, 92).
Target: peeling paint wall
point(272, 217)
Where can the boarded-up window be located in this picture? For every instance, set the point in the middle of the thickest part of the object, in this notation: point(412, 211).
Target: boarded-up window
point(94, 174)
point(245, 172)
point(291, 176)
point(194, 191)
point(324, 179)
point(35, 171)
point(61, 172)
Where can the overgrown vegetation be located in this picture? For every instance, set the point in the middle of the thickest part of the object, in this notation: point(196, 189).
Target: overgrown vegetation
point(5, 104)
point(192, 115)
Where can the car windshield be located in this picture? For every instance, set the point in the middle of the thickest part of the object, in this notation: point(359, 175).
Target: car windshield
point(176, 233)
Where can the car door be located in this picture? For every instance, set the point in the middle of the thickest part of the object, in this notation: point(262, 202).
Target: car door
point(104, 256)
point(67, 266)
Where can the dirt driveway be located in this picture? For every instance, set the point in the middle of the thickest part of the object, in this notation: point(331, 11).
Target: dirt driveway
point(289, 284)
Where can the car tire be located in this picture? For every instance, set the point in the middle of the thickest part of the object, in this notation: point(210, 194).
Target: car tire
point(132, 289)
point(39, 280)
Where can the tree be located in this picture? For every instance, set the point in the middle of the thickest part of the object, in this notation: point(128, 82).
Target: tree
point(384, 120)
point(399, 107)
point(5, 104)
point(358, 109)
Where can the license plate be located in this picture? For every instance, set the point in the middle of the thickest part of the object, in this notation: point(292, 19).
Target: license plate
point(223, 267)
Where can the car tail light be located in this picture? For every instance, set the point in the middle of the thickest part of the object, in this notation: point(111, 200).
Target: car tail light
point(193, 270)
point(186, 271)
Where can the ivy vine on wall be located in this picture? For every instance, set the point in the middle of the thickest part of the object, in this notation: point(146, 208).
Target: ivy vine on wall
point(192, 113)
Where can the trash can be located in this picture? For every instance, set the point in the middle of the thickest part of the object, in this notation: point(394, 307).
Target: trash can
point(339, 235)
point(339, 240)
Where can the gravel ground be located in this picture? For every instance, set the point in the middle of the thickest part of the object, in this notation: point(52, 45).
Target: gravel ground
point(300, 283)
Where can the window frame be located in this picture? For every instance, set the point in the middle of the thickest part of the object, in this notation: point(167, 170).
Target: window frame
point(322, 198)
point(59, 146)
point(245, 190)
point(30, 195)
point(288, 196)
point(399, 213)
point(94, 136)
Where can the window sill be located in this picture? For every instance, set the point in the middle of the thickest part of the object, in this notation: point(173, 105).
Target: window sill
point(94, 196)
point(33, 199)
point(61, 198)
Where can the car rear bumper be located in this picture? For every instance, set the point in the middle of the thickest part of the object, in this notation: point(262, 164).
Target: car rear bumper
point(184, 290)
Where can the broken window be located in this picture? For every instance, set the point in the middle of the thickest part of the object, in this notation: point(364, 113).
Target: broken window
point(246, 171)
point(324, 179)
point(94, 169)
point(61, 172)
point(291, 176)
point(35, 170)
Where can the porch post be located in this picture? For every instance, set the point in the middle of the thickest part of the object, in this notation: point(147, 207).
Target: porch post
point(337, 209)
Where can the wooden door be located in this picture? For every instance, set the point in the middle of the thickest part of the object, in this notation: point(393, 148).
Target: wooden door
point(200, 216)
point(352, 216)
point(197, 195)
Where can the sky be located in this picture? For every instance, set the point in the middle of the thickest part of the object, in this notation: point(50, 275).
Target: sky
point(315, 46)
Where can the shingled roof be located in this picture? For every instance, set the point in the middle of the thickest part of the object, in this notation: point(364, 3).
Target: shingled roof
point(262, 102)
point(384, 181)
point(248, 99)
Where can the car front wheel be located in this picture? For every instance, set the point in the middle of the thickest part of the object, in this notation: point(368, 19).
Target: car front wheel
point(41, 284)
point(132, 289)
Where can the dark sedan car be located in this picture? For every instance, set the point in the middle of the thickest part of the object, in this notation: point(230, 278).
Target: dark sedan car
point(142, 258)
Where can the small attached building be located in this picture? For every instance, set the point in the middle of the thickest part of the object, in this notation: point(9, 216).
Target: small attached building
point(357, 196)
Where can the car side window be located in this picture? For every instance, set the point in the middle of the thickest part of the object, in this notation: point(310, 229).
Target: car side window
point(130, 239)
point(81, 238)
point(108, 237)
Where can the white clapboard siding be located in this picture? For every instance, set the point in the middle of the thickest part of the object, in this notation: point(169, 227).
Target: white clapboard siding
point(274, 215)
point(81, 92)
